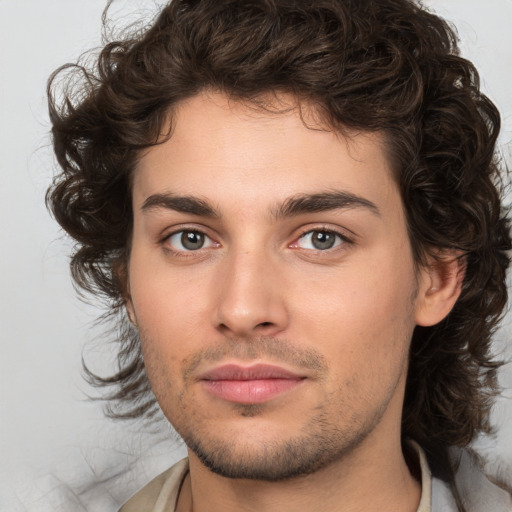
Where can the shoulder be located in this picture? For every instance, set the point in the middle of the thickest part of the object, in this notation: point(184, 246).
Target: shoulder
point(159, 494)
point(443, 499)
point(478, 489)
point(477, 493)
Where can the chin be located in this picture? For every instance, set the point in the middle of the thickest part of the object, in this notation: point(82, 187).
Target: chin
point(277, 459)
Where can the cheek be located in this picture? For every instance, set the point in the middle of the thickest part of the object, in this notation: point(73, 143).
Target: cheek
point(167, 336)
point(167, 314)
point(363, 318)
point(168, 304)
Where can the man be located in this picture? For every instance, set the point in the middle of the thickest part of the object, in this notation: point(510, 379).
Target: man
point(297, 205)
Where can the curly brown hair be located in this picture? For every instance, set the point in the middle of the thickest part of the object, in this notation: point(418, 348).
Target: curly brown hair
point(374, 65)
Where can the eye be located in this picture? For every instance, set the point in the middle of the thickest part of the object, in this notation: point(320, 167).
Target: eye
point(189, 240)
point(319, 240)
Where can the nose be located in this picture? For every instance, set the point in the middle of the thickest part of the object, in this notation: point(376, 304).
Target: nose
point(251, 296)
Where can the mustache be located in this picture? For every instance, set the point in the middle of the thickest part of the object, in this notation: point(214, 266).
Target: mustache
point(250, 349)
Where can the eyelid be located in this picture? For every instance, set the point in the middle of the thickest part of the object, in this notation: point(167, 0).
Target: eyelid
point(177, 230)
point(345, 239)
point(213, 243)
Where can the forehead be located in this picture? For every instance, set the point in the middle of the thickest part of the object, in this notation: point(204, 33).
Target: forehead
point(230, 150)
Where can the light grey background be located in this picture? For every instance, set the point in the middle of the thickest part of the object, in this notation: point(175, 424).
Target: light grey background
point(54, 444)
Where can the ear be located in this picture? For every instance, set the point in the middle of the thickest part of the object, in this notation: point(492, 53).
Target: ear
point(440, 284)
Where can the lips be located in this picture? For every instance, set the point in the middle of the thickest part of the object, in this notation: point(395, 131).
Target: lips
point(249, 385)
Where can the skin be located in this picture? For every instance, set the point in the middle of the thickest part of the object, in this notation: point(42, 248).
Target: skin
point(260, 291)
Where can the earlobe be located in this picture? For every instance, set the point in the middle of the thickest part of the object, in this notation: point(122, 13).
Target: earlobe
point(440, 287)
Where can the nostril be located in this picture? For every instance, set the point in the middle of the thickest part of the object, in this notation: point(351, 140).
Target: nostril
point(264, 324)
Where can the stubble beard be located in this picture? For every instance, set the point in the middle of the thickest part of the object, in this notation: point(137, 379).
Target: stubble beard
point(320, 445)
point(322, 440)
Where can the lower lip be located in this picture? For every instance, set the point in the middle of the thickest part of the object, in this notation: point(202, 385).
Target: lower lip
point(250, 391)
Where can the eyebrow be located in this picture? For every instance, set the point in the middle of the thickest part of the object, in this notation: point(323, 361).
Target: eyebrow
point(182, 204)
point(321, 202)
point(293, 206)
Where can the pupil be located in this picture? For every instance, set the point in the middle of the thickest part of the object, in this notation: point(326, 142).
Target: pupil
point(323, 240)
point(192, 240)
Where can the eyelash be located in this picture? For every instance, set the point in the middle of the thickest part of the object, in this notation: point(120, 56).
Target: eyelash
point(183, 253)
point(344, 239)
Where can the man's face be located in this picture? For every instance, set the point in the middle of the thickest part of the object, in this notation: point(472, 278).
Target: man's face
point(272, 281)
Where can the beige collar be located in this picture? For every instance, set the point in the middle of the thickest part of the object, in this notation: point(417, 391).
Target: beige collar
point(161, 494)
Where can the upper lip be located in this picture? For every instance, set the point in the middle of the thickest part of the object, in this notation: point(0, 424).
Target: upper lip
point(253, 372)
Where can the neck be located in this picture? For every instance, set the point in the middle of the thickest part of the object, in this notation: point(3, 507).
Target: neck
point(374, 477)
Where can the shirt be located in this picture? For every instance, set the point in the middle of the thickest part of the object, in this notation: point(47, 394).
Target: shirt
point(161, 494)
